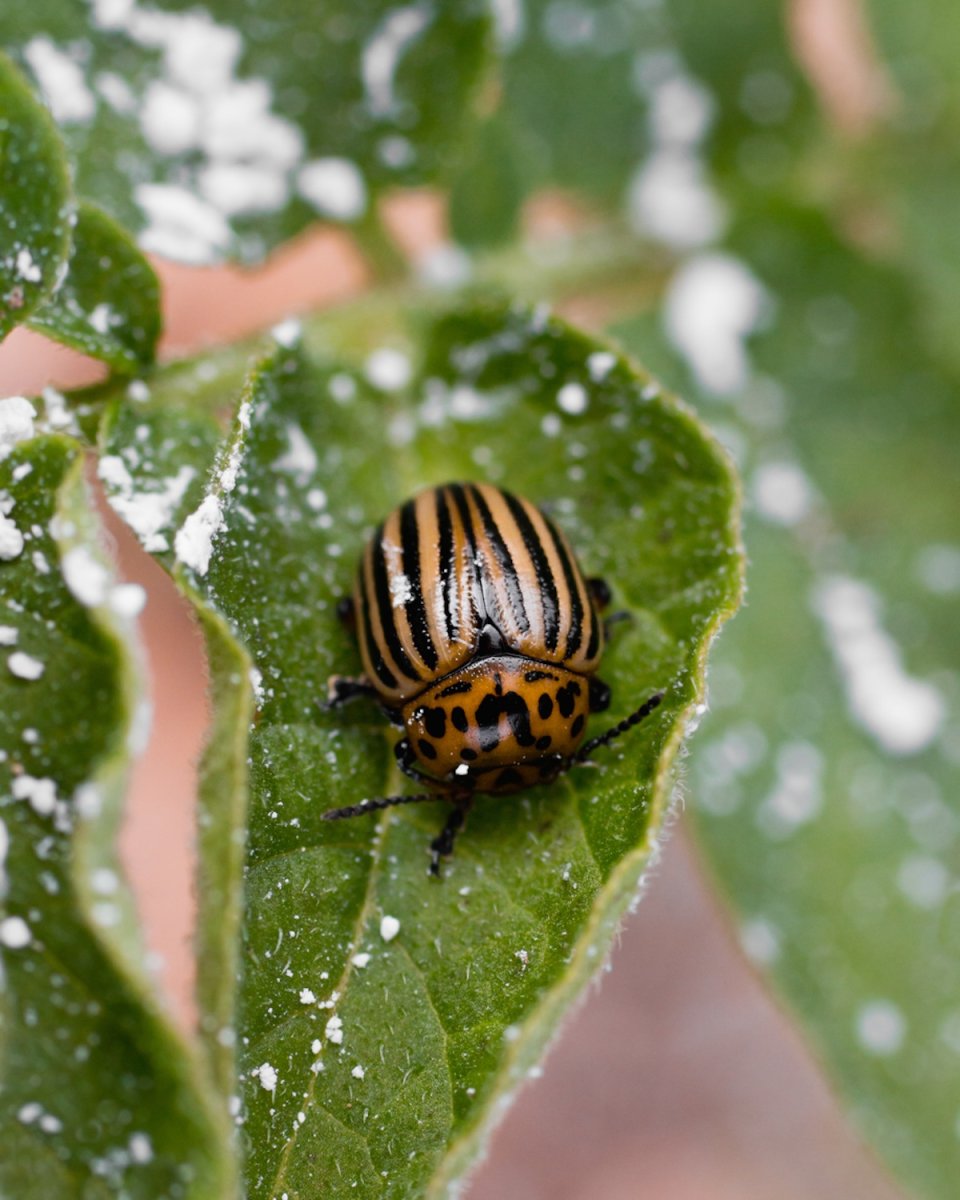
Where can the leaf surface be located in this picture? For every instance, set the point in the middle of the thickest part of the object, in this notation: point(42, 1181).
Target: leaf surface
point(227, 128)
point(35, 200)
point(377, 1065)
point(100, 1095)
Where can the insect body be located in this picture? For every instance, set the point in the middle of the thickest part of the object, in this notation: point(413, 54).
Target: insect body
point(480, 636)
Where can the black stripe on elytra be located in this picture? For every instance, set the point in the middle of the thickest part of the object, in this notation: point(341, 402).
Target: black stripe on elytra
point(415, 608)
point(548, 585)
point(456, 689)
point(447, 565)
point(385, 609)
point(575, 632)
point(504, 561)
point(380, 668)
point(594, 644)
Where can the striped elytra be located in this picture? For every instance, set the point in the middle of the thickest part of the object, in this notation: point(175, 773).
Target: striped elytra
point(464, 567)
point(480, 635)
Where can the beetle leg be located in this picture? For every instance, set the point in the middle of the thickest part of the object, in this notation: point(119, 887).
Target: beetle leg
point(407, 762)
point(442, 844)
point(614, 619)
point(343, 688)
point(599, 695)
point(347, 612)
point(599, 591)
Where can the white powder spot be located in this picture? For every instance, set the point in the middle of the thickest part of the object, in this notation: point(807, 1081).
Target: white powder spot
point(50, 1124)
point(572, 398)
point(361, 960)
point(713, 303)
point(509, 22)
point(901, 713)
point(797, 795)
point(307, 997)
point(194, 540)
point(14, 933)
point(600, 364)
point(342, 387)
point(300, 458)
point(388, 369)
point(137, 391)
point(401, 590)
point(923, 880)
point(21, 471)
point(287, 333)
point(104, 882)
point(24, 666)
point(444, 267)
point(169, 118)
point(16, 423)
point(760, 940)
point(880, 1028)
point(335, 187)
point(26, 268)
point(148, 512)
point(61, 82)
point(938, 569)
point(670, 200)
point(316, 499)
point(140, 1148)
point(358, 1072)
point(181, 225)
point(334, 1030)
point(551, 425)
point(236, 189)
point(40, 794)
point(127, 600)
point(117, 92)
point(28, 1113)
point(4, 848)
point(782, 493)
point(57, 412)
point(87, 579)
point(382, 54)
point(681, 110)
point(389, 928)
point(87, 801)
point(102, 318)
point(11, 539)
point(267, 1076)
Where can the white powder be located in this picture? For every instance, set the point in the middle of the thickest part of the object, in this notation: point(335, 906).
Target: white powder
point(361, 960)
point(16, 423)
point(11, 539)
point(127, 600)
point(180, 225)
point(782, 493)
point(388, 369)
point(335, 187)
point(600, 364)
point(334, 1030)
point(194, 540)
point(572, 398)
point(14, 933)
point(169, 118)
point(670, 200)
point(300, 458)
point(901, 713)
point(8, 635)
point(307, 997)
point(150, 511)
point(358, 1072)
point(140, 1148)
point(26, 268)
point(267, 1075)
point(40, 794)
point(880, 1028)
point(389, 928)
point(61, 82)
point(25, 667)
point(87, 579)
point(713, 303)
point(382, 54)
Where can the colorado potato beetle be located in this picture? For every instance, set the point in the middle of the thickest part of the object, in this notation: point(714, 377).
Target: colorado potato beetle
point(481, 637)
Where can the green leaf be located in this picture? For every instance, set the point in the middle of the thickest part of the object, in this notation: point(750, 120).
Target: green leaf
point(100, 1095)
point(108, 305)
point(825, 781)
point(229, 128)
point(35, 200)
point(440, 1024)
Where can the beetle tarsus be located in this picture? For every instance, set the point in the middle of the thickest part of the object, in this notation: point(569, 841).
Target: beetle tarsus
point(604, 739)
point(442, 844)
point(369, 806)
point(341, 689)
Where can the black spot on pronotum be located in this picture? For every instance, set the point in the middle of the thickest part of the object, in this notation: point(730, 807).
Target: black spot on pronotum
point(566, 698)
point(577, 727)
point(456, 689)
point(458, 718)
point(435, 720)
point(514, 708)
point(426, 749)
point(545, 706)
point(467, 754)
point(536, 676)
point(543, 743)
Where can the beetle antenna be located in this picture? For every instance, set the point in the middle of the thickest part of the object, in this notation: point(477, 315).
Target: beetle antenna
point(367, 806)
point(604, 739)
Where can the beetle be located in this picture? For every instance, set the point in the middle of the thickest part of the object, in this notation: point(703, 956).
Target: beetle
point(481, 637)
